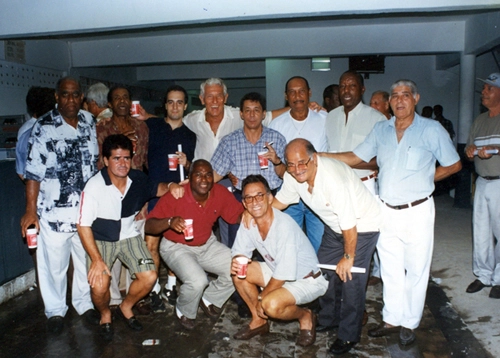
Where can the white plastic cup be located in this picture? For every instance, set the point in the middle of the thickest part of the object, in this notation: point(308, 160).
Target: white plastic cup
point(135, 108)
point(263, 161)
point(31, 238)
point(188, 229)
point(243, 262)
point(173, 162)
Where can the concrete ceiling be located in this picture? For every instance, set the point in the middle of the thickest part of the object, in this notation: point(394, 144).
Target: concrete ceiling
point(187, 42)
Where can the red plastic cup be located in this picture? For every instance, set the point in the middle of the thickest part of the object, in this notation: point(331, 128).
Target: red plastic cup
point(263, 161)
point(188, 229)
point(173, 162)
point(243, 262)
point(134, 109)
point(31, 238)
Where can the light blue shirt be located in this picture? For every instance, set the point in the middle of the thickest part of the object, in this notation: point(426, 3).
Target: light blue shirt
point(406, 169)
point(22, 151)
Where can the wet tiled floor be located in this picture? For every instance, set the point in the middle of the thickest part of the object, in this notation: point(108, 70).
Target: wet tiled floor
point(24, 334)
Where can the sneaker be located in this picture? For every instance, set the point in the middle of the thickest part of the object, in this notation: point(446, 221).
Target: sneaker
point(157, 304)
point(169, 295)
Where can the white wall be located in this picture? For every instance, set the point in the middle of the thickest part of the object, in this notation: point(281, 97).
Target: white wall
point(435, 87)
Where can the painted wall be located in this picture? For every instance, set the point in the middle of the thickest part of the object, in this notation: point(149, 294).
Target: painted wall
point(435, 86)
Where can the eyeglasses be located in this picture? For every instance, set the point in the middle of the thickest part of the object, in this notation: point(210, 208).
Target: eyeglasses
point(299, 166)
point(258, 198)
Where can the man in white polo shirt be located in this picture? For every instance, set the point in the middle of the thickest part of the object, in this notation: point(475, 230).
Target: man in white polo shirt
point(109, 203)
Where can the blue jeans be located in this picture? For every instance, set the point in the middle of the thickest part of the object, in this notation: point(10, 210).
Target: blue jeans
point(313, 224)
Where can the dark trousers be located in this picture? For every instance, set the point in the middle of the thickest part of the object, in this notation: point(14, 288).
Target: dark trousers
point(343, 303)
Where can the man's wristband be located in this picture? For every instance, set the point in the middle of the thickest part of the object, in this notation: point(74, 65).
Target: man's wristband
point(169, 221)
point(168, 186)
point(280, 162)
point(259, 298)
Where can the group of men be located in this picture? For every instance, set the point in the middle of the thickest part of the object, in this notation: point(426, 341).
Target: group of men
point(321, 172)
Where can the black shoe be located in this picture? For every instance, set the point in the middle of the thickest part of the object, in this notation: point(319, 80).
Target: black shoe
point(92, 317)
point(495, 292)
point(157, 305)
point(406, 336)
point(107, 331)
point(132, 322)
point(170, 295)
point(55, 324)
point(475, 286)
point(341, 347)
point(244, 311)
point(321, 328)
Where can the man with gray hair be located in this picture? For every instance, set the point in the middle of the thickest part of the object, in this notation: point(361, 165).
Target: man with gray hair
point(97, 101)
point(407, 147)
point(217, 119)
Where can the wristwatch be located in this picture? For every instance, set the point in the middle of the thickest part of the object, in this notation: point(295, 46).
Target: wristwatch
point(348, 257)
point(259, 298)
point(169, 221)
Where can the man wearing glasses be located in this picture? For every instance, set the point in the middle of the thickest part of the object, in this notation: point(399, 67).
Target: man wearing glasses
point(352, 218)
point(289, 276)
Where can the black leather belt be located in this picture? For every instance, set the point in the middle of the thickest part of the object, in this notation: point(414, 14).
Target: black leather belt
point(491, 178)
point(409, 205)
point(313, 275)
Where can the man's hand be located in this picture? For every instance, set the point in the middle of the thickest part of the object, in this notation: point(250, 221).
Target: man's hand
point(96, 273)
point(271, 154)
point(143, 115)
point(344, 269)
point(260, 310)
point(28, 219)
point(176, 190)
point(183, 159)
point(177, 224)
point(469, 151)
point(481, 153)
point(235, 266)
point(247, 219)
point(233, 178)
point(315, 106)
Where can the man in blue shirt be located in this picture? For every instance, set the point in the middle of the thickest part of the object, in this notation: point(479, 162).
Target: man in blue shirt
point(407, 147)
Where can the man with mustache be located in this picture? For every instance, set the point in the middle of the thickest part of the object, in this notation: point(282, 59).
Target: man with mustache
point(302, 122)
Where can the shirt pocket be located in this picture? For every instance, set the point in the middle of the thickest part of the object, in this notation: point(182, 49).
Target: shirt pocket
point(416, 158)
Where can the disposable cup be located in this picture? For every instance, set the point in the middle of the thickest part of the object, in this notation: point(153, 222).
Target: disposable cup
point(173, 162)
point(31, 238)
point(243, 262)
point(134, 109)
point(263, 161)
point(188, 229)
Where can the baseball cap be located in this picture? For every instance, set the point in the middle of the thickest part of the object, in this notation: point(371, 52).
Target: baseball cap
point(493, 79)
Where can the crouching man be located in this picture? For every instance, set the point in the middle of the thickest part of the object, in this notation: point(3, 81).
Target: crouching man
point(110, 201)
point(289, 276)
point(192, 253)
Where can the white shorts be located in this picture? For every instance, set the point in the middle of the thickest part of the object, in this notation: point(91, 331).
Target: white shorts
point(304, 290)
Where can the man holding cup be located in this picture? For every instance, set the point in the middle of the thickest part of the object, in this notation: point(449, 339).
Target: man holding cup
point(190, 258)
point(289, 276)
point(253, 149)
